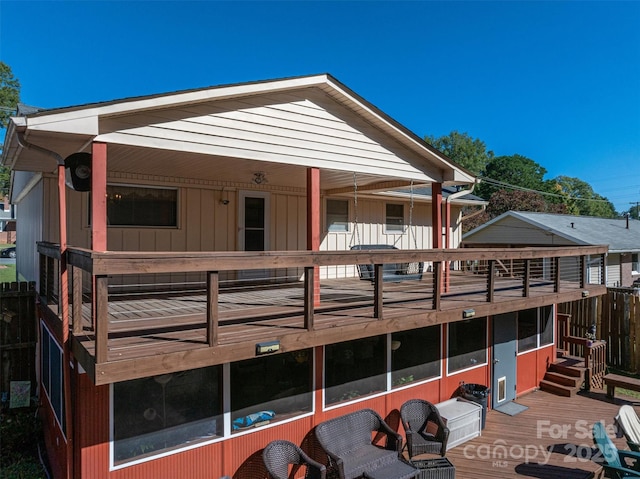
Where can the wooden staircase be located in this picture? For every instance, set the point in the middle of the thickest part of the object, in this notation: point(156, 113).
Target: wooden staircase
point(564, 377)
point(569, 373)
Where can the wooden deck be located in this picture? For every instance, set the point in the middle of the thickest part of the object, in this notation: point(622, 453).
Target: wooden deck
point(551, 439)
point(140, 325)
point(120, 334)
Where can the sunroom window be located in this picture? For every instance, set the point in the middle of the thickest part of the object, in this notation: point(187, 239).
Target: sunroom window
point(51, 374)
point(467, 344)
point(415, 355)
point(152, 415)
point(271, 388)
point(535, 328)
point(354, 369)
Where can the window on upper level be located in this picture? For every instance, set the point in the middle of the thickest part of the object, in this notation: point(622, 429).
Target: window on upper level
point(394, 218)
point(141, 206)
point(337, 215)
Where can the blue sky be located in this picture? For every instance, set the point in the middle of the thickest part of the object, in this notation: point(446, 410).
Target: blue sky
point(557, 82)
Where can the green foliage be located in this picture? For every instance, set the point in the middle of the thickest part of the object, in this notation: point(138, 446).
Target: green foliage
point(576, 192)
point(516, 170)
point(9, 98)
point(9, 94)
point(20, 433)
point(466, 151)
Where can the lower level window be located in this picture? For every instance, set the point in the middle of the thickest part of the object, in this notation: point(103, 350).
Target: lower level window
point(154, 414)
point(354, 369)
point(271, 388)
point(467, 344)
point(415, 355)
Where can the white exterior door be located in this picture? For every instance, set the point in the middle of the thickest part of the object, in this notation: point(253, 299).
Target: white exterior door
point(253, 227)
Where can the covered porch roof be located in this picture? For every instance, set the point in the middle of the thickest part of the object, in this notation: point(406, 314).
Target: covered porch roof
point(279, 128)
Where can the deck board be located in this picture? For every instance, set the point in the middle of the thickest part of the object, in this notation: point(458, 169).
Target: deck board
point(555, 432)
point(145, 324)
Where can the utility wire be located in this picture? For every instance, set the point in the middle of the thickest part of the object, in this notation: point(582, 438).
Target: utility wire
point(501, 184)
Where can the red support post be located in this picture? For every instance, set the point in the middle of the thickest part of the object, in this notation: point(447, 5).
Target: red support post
point(313, 224)
point(99, 197)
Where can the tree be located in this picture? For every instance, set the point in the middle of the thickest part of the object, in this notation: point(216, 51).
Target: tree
point(9, 98)
point(9, 94)
point(581, 199)
point(504, 200)
point(468, 152)
point(516, 170)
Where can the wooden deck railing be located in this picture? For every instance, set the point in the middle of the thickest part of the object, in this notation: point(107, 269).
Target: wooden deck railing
point(525, 268)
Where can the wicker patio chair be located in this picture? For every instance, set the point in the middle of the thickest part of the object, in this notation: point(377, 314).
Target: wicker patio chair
point(424, 428)
point(277, 456)
point(347, 440)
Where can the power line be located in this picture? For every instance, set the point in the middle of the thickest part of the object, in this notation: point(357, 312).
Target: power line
point(501, 184)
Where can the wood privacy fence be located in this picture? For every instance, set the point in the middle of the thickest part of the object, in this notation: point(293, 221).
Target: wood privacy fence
point(617, 319)
point(18, 337)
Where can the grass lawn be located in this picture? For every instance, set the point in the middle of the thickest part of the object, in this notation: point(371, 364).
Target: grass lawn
point(7, 271)
point(626, 392)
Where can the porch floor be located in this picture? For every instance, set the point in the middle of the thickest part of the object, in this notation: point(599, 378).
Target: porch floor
point(551, 439)
point(142, 325)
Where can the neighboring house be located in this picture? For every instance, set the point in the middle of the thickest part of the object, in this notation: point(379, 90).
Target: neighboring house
point(7, 223)
point(199, 279)
point(518, 228)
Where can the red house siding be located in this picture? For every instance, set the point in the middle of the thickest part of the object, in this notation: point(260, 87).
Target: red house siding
point(240, 455)
point(535, 362)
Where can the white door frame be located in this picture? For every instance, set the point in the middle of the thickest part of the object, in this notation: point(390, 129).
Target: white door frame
point(242, 196)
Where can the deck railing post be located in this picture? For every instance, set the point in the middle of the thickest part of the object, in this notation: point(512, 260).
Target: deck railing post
point(491, 280)
point(309, 296)
point(76, 296)
point(377, 288)
point(583, 271)
point(603, 269)
point(527, 280)
point(213, 285)
point(101, 317)
point(556, 286)
point(437, 283)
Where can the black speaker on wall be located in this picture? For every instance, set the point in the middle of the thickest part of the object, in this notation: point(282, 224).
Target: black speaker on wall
point(78, 171)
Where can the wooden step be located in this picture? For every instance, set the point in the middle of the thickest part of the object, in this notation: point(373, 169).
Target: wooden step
point(556, 388)
point(567, 369)
point(563, 379)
